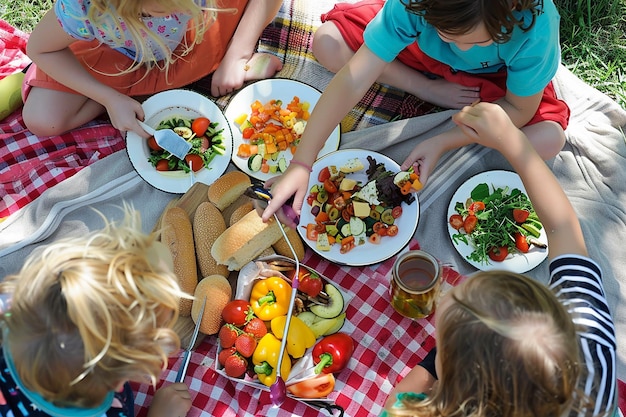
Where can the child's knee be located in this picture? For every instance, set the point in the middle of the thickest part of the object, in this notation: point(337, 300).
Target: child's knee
point(547, 137)
point(327, 45)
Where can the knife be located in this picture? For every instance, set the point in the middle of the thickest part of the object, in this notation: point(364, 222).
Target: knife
point(180, 376)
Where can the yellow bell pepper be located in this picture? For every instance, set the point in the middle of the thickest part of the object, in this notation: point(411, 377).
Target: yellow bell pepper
point(299, 337)
point(270, 298)
point(265, 360)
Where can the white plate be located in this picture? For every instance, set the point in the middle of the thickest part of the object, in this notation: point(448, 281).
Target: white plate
point(368, 253)
point(182, 103)
point(514, 262)
point(265, 90)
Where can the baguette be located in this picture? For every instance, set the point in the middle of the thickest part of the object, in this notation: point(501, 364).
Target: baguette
point(282, 247)
point(218, 292)
point(240, 211)
point(245, 240)
point(227, 188)
point(208, 224)
point(177, 235)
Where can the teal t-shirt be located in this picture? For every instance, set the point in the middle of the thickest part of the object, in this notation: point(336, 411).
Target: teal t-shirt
point(405, 395)
point(531, 58)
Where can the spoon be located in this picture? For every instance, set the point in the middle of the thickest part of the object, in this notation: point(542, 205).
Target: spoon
point(278, 390)
point(168, 140)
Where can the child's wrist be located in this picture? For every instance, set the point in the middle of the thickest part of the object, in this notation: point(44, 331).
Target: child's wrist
point(302, 164)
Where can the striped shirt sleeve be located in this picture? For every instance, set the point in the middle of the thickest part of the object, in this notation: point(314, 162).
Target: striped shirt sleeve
point(577, 282)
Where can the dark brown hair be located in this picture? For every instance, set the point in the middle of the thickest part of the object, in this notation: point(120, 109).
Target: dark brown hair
point(458, 17)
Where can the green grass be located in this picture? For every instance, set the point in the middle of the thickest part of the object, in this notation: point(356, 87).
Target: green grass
point(593, 38)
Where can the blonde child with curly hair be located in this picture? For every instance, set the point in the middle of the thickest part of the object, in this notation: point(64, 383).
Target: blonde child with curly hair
point(507, 345)
point(97, 56)
point(85, 315)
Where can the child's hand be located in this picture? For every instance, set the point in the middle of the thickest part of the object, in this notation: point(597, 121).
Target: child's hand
point(487, 124)
point(423, 158)
point(124, 112)
point(449, 95)
point(294, 182)
point(173, 400)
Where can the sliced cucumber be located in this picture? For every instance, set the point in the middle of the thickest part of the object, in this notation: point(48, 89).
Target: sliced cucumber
point(255, 162)
point(282, 165)
point(357, 226)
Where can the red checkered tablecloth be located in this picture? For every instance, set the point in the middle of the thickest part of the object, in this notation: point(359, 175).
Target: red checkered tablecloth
point(388, 346)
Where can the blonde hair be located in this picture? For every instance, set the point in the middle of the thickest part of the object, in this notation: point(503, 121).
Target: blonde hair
point(127, 13)
point(90, 312)
point(508, 348)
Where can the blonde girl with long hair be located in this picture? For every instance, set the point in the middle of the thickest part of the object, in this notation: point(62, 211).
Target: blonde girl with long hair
point(85, 315)
point(509, 346)
point(96, 56)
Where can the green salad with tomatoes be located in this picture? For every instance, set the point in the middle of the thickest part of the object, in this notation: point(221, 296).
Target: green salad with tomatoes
point(206, 143)
point(495, 222)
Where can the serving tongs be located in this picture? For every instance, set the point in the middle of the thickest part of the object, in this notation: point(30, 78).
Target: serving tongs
point(262, 196)
point(180, 376)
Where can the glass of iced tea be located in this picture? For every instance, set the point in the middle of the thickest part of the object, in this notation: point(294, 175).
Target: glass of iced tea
point(414, 284)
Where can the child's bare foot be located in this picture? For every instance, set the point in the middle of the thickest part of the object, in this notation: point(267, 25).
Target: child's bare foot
point(261, 66)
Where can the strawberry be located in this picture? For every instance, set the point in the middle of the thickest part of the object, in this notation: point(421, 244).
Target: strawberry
point(227, 335)
point(256, 327)
point(235, 365)
point(224, 354)
point(245, 344)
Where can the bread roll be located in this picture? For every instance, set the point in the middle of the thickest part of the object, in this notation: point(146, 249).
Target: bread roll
point(245, 240)
point(218, 292)
point(228, 188)
point(177, 235)
point(208, 224)
point(282, 248)
point(240, 211)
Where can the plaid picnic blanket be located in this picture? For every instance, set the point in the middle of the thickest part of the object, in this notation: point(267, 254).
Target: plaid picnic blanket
point(389, 345)
point(30, 165)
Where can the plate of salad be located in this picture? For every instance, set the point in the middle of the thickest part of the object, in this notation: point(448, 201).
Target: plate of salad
point(492, 223)
point(198, 120)
point(360, 209)
point(267, 119)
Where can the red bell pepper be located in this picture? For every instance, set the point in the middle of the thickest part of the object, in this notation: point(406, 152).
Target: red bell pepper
point(332, 353)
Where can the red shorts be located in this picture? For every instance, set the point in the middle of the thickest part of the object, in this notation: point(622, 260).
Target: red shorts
point(351, 20)
point(203, 59)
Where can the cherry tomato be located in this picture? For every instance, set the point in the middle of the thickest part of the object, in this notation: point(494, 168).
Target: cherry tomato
point(200, 125)
point(339, 203)
point(392, 230)
point(520, 215)
point(374, 238)
point(194, 161)
point(498, 254)
point(310, 199)
point(323, 175)
point(152, 144)
point(330, 186)
point(237, 312)
point(396, 212)
point(521, 243)
point(311, 232)
point(476, 206)
point(456, 221)
point(377, 226)
point(163, 165)
point(247, 132)
point(469, 224)
point(345, 214)
point(346, 247)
